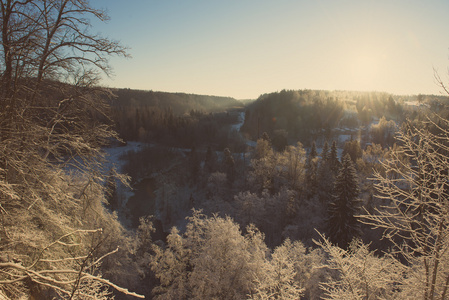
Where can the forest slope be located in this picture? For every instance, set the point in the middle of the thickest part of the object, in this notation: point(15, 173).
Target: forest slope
point(175, 119)
point(308, 115)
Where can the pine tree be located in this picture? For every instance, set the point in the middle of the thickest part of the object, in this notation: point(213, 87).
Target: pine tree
point(326, 176)
point(342, 224)
point(194, 164)
point(325, 152)
point(312, 171)
point(313, 153)
point(353, 148)
point(334, 163)
point(229, 166)
point(210, 161)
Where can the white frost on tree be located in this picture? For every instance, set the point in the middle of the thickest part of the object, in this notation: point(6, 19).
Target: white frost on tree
point(278, 280)
point(211, 260)
point(359, 273)
point(416, 218)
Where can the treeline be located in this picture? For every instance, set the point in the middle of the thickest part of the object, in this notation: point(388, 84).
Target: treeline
point(187, 120)
point(299, 113)
point(181, 120)
point(306, 115)
point(180, 103)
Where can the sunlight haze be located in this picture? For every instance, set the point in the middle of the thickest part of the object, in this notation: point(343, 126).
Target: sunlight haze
point(246, 48)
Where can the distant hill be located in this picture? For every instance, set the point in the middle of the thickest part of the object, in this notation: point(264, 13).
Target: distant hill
point(306, 114)
point(176, 119)
point(289, 115)
point(179, 103)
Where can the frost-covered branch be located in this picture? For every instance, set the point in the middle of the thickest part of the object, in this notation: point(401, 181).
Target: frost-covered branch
point(416, 218)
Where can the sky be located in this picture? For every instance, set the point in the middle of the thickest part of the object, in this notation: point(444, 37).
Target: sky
point(246, 48)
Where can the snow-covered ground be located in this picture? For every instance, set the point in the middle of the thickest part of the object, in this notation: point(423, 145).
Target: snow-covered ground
point(238, 126)
point(251, 143)
point(113, 154)
point(343, 138)
point(241, 120)
point(113, 157)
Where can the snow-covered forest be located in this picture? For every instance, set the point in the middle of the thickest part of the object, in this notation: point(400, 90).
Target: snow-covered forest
point(118, 193)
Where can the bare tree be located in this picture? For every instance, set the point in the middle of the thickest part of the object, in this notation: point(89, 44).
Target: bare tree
point(70, 277)
point(53, 123)
point(50, 108)
point(357, 273)
point(416, 217)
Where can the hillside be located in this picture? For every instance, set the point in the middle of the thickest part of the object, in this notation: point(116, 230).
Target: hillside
point(177, 119)
point(311, 115)
point(179, 103)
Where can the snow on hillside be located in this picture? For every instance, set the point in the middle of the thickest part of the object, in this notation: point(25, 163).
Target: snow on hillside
point(113, 154)
point(241, 120)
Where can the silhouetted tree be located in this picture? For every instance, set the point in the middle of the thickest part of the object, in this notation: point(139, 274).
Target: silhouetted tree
point(334, 162)
point(280, 141)
point(354, 150)
point(325, 176)
point(229, 166)
point(194, 164)
point(313, 152)
point(210, 161)
point(311, 175)
point(415, 218)
point(325, 152)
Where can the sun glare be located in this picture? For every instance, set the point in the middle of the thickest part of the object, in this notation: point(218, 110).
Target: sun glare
point(364, 71)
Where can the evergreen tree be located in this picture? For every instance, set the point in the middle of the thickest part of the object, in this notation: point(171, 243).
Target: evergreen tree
point(326, 176)
point(334, 163)
point(312, 171)
point(280, 141)
point(229, 166)
point(194, 164)
point(354, 150)
point(210, 161)
point(342, 224)
point(313, 153)
point(325, 152)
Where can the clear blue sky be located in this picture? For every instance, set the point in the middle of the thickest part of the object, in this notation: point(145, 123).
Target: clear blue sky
point(244, 48)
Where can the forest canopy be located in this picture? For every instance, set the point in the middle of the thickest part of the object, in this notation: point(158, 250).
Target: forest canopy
point(300, 194)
